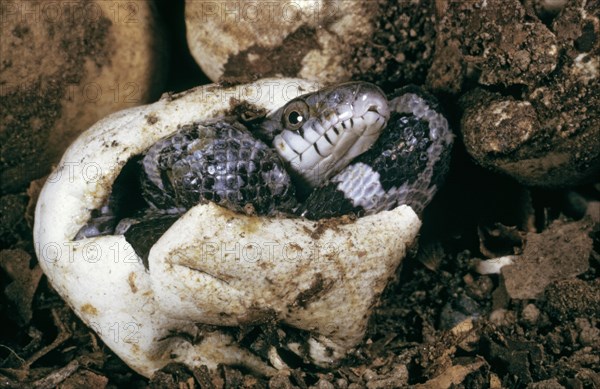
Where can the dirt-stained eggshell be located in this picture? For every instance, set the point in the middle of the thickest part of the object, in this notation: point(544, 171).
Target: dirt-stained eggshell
point(65, 65)
point(212, 266)
point(326, 41)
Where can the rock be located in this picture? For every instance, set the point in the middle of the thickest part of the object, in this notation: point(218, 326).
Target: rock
point(322, 384)
point(502, 317)
point(456, 311)
point(589, 335)
point(530, 314)
point(64, 66)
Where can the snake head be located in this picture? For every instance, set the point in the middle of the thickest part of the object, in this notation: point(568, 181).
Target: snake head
point(319, 133)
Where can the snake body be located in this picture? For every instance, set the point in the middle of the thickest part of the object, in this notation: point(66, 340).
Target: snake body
point(219, 161)
point(406, 165)
point(343, 149)
point(315, 135)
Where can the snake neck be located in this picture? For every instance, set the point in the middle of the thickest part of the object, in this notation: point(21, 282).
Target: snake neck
point(319, 133)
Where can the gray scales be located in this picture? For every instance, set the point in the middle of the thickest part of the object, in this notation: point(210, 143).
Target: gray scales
point(340, 150)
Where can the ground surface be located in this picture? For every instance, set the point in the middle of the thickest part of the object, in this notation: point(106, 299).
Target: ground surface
point(441, 324)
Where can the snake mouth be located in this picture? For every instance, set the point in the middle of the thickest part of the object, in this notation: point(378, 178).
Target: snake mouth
point(338, 124)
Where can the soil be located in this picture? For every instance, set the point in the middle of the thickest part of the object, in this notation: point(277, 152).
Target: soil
point(442, 323)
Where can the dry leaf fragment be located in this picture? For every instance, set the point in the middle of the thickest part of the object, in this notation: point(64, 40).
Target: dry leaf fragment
point(25, 281)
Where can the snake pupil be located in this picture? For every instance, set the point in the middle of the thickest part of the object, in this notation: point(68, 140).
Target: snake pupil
point(295, 117)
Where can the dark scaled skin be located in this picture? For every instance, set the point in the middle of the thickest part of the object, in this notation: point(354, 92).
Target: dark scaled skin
point(399, 155)
point(409, 161)
point(404, 151)
point(143, 234)
point(216, 161)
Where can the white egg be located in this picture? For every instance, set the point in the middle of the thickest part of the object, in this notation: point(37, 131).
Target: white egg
point(212, 266)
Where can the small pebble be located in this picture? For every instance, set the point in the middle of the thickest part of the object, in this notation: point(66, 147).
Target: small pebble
point(588, 334)
point(530, 314)
point(322, 384)
point(502, 317)
point(480, 288)
point(369, 375)
point(397, 378)
point(341, 383)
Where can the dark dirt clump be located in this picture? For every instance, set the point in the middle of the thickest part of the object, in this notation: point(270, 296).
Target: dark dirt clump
point(531, 107)
point(401, 50)
point(570, 299)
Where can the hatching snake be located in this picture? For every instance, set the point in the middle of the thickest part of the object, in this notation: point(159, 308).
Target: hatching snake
point(342, 149)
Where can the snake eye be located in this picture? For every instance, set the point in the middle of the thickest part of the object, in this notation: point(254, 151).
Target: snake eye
point(295, 115)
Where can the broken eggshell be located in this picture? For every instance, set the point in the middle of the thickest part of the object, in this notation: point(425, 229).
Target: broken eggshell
point(212, 266)
point(241, 41)
point(329, 41)
point(64, 66)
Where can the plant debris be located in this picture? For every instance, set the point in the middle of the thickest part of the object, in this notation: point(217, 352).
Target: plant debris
point(559, 253)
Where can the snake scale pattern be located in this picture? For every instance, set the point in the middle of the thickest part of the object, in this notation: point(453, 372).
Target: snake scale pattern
point(342, 149)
